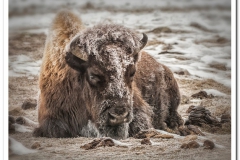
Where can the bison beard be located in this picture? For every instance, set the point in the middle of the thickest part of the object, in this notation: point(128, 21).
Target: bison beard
point(96, 82)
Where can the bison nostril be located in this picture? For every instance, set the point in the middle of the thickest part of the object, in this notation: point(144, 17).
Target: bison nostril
point(113, 115)
point(115, 119)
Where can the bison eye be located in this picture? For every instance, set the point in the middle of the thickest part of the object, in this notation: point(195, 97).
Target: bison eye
point(95, 79)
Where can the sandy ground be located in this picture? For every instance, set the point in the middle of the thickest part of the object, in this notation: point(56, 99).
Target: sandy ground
point(25, 88)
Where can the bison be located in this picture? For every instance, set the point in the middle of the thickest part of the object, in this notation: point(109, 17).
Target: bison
point(96, 81)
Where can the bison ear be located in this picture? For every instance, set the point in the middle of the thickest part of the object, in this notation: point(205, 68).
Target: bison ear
point(75, 63)
point(143, 41)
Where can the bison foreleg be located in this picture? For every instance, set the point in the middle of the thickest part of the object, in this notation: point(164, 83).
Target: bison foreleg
point(141, 121)
point(52, 128)
point(174, 120)
point(142, 114)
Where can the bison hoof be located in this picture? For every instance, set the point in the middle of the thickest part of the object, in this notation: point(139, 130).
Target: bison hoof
point(175, 121)
point(184, 131)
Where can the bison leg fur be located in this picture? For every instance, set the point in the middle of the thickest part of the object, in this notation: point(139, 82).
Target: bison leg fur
point(142, 119)
point(52, 128)
point(174, 121)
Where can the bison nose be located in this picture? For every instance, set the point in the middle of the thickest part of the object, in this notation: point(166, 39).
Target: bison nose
point(117, 117)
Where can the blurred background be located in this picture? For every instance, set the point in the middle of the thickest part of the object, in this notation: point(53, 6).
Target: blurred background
point(192, 37)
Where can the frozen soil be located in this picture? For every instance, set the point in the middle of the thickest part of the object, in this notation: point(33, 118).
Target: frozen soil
point(25, 88)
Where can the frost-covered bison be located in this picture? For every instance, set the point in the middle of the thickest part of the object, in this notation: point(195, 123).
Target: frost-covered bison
point(98, 82)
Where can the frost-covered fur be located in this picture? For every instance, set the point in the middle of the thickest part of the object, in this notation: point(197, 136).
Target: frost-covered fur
point(92, 39)
point(88, 88)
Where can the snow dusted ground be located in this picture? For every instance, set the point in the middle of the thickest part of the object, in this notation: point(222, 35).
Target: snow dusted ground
point(197, 38)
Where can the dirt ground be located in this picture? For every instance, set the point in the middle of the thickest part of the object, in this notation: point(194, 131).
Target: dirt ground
point(25, 88)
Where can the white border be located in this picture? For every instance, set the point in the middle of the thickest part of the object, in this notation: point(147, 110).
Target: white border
point(1, 83)
point(233, 78)
point(5, 79)
point(238, 60)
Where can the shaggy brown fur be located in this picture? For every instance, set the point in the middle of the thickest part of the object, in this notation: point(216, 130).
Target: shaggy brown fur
point(89, 87)
point(160, 90)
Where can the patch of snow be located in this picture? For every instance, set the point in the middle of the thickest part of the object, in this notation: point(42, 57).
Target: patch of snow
point(30, 123)
point(31, 22)
point(174, 135)
point(196, 100)
point(117, 4)
point(215, 92)
point(30, 77)
point(156, 143)
point(118, 143)
point(22, 65)
point(21, 128)
point(18, 148)
point(219, 146)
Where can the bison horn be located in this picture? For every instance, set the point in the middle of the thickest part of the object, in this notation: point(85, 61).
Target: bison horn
point(144, 40)
point(73, 47)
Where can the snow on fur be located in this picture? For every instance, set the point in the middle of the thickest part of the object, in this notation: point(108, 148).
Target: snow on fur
point(91, 40)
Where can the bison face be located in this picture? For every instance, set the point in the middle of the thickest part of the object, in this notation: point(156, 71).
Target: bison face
point(108, 77)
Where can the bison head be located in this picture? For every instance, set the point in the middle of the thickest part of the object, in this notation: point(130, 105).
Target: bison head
point(105, 57)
